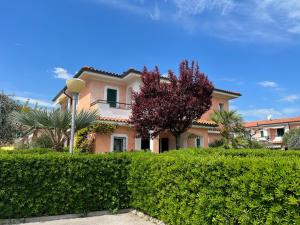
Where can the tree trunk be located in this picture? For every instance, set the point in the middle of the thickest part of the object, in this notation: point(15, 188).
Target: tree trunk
point(177, 138)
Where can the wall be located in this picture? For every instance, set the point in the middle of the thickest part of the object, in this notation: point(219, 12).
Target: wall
point(98, 87)
point(103, 142)
point(213, 138)
point(215, 106)
point(85, 97)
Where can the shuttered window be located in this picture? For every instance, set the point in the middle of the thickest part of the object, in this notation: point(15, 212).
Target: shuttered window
point(112, 97)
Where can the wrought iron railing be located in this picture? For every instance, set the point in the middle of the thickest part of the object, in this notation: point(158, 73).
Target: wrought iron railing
point(117, 105)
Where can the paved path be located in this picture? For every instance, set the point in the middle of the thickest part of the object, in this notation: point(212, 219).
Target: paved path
point(118, 219)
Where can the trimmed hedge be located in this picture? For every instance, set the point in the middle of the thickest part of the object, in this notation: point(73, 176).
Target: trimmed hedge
point(183, 187)
point(264, 153)
point(29, 151)
point(53, 184)
point(216, 189)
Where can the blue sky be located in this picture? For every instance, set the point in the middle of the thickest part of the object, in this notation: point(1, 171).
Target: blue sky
point(249, 46)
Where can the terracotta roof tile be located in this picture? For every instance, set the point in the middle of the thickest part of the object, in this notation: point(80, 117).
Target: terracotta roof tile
point(274, 121)
point(120, 120)
point(205, 123)
point(124, 120)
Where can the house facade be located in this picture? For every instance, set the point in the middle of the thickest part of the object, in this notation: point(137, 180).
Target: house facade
point(111, 95)
point(271, 131)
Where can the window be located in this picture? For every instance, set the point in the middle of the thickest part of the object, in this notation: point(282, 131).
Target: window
point(119, 144)
point(262, 134)
point(111, 97)
point(280, 132)
point(221, 106)
point(199, 142)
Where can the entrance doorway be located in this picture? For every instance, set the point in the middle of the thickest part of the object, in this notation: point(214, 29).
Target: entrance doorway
point(164, 144)
point(145, 143)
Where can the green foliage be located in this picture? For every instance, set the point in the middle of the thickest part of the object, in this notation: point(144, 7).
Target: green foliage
point(56, 124)
point(231, 127)
point(57, 183)
point(188, 186)
point(84, 139)
point(43, 141)
point(28, 151)
point(238, 143)
point(8, 129)
point(179, 188)
point(292, 139)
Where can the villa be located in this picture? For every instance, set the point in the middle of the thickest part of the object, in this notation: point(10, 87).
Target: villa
point(111, 95)
point(271, 131)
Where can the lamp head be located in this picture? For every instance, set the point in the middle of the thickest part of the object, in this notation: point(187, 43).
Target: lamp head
point(75, 85)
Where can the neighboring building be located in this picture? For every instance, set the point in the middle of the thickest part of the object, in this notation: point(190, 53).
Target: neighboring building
point(271, 131)
point(111, 95)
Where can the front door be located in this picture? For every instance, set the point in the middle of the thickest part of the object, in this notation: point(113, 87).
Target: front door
point(145, 143)
point(164, 144)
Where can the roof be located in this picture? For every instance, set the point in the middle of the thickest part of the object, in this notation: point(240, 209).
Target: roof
point(110, 119)
point(124, 74)
point(205, 123)
point(199, 122)
point(270, 122)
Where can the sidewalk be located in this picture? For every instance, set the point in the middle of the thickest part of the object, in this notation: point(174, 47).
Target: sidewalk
point(118, 219)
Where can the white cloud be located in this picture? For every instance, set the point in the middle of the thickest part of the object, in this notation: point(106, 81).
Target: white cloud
point(290, 98)
point(263, 113)
point(288, 111)
point(61, 73)
point(155, 15)
point(195, 7)
point(260, 113)
point(234, 20)
point(268, 84)
point(32, 101)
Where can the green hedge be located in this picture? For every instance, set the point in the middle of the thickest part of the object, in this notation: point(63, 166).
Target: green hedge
point(216, 189)
point(184, 187)
point(29, 151)
point(235, 152)
point(53, 184)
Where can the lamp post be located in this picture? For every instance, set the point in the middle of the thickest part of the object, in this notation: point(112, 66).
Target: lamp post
point(74, 86)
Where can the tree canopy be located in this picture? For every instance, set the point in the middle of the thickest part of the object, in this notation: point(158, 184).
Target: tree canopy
point(171, 104)
point(8, 129)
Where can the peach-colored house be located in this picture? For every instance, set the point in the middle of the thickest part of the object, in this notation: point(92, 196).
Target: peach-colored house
point(111, 95)
point(271, 131)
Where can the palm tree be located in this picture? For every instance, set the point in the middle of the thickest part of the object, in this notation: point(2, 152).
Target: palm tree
point(56, 124)
point(230, 124)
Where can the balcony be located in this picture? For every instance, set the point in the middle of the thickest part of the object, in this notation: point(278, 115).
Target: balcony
point(118, 110)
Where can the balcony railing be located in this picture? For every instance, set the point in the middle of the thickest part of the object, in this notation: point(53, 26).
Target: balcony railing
point(116, 105)
point(113, 109)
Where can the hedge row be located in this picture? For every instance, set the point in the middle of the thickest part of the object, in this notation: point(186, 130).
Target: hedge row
point(216, 190)
point(179, 187)
point(53, 184)
point(235, 152)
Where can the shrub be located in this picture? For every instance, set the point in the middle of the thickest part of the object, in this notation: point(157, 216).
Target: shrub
point(207, 186)
point(292, 139)
point(84, 140)
point(43, 141)
point(52, 184)
point(28, 151)
point(181, 189)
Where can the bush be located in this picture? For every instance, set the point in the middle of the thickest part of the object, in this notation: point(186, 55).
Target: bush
point(207, 186)
point(28, 151)
point(57, 183)
point(292, 139)
point(181, 189)
point(43, 141)
point(85, 137)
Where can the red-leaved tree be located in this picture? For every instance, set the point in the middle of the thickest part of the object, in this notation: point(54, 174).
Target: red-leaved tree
point(171, 104)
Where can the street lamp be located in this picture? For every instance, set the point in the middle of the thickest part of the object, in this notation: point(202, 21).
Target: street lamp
point(74, 86)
